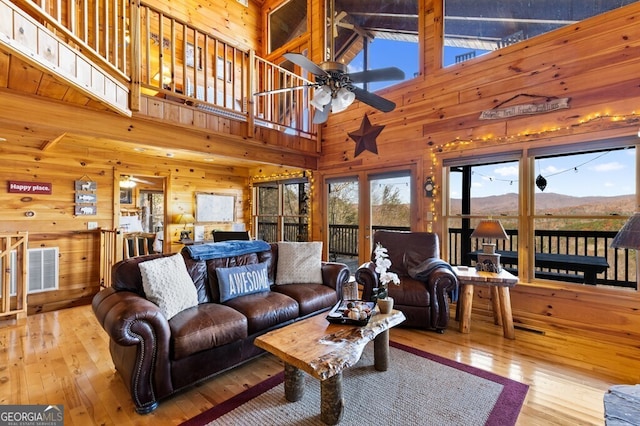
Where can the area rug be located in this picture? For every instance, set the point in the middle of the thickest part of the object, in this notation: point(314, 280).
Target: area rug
point(419, 388)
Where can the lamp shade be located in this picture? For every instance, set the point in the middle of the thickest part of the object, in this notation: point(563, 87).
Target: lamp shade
point(629, 236)
point(321, 97)
point(183, 219)
point(490, 228)
point(343, 99)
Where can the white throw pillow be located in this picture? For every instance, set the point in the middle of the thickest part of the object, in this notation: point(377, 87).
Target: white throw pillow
point(167, 283)
point(299, 263)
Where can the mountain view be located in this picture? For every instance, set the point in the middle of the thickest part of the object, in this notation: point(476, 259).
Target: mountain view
point(551, 204)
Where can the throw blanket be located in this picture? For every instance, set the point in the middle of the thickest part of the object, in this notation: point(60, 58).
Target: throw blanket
point(422, 271)
point(226, 249)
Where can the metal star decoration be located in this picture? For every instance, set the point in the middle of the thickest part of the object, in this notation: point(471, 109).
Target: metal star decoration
point(365, 137)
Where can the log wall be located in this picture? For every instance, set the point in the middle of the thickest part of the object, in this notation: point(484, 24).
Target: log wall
point(594, 62)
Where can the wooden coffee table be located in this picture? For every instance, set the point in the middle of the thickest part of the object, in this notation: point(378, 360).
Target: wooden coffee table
point(324, 350)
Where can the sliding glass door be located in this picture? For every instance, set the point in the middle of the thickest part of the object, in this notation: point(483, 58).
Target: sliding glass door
point(355, 214)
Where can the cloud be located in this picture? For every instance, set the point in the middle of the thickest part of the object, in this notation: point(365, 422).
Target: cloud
point(607, 167)
point(477, 184)
point(507, 171)
point(550, 170)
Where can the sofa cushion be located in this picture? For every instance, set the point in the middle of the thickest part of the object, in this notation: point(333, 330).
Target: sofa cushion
point(299, 263)
point(208, 326)
point(310, 297)
point(265, 310)
point(410, 292)
point(167, 283)
point(242, 280)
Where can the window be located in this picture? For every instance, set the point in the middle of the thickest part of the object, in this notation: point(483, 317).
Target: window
point(282, 210)
point(474, 28)
point(580, 196)
point(286, 23)
point(374, 34)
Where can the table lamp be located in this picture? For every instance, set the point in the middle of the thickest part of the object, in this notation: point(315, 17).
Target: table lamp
point(186, 219)
point(628, 237)
point(489, 260)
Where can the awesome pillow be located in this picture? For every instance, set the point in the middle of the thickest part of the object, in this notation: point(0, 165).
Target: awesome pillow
point(242, 280)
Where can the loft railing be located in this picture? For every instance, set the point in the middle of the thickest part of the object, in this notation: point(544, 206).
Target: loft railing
point(160, 55)
point(99, 29)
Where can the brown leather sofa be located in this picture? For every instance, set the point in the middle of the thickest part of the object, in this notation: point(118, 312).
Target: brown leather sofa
point(425, 279)
point(157, 358)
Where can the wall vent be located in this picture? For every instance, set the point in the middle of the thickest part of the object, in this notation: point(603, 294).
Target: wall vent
point(42, 270)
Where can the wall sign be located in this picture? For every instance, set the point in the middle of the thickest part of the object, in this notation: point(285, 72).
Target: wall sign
point(18, 187)
point(525, 109)
point(86, 198)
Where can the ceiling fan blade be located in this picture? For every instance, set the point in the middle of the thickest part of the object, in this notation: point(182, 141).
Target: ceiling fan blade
point(321, 116)
point(380, 74)
point(304, 63)
point(371, 99)
point(284, 89)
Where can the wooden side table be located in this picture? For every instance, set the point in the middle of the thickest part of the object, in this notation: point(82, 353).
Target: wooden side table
point(499, 284)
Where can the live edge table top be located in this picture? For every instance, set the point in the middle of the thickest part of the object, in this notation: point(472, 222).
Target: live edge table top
point(322, 349)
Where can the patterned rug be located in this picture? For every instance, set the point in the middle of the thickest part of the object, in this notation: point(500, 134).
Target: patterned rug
point(419, 388)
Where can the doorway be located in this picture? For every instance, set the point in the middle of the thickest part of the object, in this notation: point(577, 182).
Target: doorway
point(142, 206)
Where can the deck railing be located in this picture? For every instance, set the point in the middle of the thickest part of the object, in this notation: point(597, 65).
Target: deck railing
point(621, 272)
point(343, 241)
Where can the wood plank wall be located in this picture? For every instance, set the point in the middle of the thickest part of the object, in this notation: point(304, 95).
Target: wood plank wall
point(595, 62)
point(54, 223)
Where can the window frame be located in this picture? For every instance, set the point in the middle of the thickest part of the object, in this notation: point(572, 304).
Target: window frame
point(526, 189)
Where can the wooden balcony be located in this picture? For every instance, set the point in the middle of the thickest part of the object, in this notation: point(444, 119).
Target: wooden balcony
point(139, 61)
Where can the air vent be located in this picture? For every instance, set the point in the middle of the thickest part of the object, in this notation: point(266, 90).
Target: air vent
point(42, 273)
point(43, 269)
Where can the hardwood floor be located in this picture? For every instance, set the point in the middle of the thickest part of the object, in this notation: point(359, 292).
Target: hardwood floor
point(63, 358)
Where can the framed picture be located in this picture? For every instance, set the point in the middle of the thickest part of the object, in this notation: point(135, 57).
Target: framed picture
point(126, 196)
point(215, 207)
point(193, 56)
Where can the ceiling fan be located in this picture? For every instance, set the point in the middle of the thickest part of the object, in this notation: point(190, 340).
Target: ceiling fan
point(334, 87)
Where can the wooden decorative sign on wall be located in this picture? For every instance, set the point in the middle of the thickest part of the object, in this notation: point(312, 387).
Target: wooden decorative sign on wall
point(550, 105)
point(17, 187)
point(86, 198)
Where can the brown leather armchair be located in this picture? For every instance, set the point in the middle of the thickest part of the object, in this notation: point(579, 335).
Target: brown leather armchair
point(425, 279)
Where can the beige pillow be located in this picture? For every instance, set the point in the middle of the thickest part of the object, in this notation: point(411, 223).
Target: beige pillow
point(299, 263)
point(167, 283)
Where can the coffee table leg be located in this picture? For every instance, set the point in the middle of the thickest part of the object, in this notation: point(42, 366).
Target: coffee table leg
point(293, 383)
point(331, 400)
point(381, 351)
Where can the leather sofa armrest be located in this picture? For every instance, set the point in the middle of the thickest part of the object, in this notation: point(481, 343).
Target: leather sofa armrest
point(131, 320)
point(367, 276)
point(440, 283)
point(334, 275)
